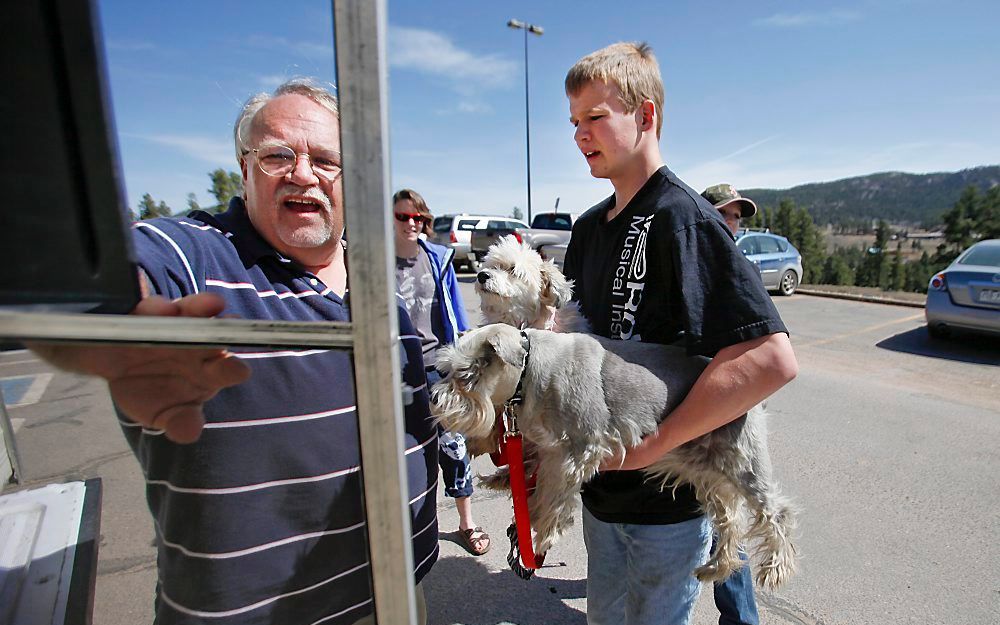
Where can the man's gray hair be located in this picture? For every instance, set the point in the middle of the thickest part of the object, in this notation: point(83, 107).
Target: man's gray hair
point(307, 87)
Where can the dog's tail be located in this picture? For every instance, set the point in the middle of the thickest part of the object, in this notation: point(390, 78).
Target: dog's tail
point(499, 480)
point(773, 530)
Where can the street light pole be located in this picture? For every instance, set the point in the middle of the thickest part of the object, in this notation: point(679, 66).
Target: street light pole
point(537, 30)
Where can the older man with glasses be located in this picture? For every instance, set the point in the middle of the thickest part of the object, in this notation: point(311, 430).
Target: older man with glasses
point(251, 459)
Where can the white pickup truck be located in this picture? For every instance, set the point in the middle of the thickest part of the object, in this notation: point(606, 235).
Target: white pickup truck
point(547, 230)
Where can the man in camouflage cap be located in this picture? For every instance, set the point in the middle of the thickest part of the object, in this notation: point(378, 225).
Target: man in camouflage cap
point(730, 204)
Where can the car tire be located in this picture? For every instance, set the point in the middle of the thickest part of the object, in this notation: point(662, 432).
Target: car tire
point(788, 283)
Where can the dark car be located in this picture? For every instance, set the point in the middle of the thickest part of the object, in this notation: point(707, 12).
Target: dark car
point(779, 263)
point(455, 231)
point(966, 295)
point(484, 237)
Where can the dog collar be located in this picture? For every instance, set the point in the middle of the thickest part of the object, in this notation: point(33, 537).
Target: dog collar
point(518, 397)
point(509, 414)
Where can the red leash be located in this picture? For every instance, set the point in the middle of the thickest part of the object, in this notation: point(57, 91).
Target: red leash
point(511, 453)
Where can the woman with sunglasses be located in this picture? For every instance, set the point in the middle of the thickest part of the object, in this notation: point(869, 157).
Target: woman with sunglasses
point(425, 279)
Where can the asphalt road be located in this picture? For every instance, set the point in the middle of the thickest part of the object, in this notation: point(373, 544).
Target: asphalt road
point(887, 439)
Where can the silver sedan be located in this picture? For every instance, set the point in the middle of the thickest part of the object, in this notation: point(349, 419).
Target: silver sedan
point(966, 295)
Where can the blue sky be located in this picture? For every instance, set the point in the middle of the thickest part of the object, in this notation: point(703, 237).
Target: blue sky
point(764, 94)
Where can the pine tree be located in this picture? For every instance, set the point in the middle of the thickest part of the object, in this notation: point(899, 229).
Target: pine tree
point(192, 202)
point(897, 275)
point(782, 219)
point(225, 186)
point(873, 270)
point(516, 213)
point(836, 270)
point(987, 223)
point(961, 220)
point(806, 238)
point(148, 208)
point(918, 274)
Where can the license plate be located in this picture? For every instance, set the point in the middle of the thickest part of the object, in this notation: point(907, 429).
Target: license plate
point(989, 296)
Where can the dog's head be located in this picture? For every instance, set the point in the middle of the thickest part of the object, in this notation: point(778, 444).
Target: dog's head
point(481, 371)
point(517, 287)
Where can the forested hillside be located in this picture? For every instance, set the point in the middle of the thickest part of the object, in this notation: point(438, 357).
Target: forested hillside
point(899, 198)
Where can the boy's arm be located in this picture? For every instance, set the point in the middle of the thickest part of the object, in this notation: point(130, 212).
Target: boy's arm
point(738, 378)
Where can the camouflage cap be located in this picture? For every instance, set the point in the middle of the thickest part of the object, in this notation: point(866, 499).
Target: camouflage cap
point(721, 194)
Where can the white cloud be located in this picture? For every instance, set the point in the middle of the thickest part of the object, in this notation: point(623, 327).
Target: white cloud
point(471, 106)
point(431, 53)
point(797, 20)
point(212, 151)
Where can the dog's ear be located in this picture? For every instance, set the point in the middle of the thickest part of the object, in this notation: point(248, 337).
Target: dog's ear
point(507, 346)
point(556, 289)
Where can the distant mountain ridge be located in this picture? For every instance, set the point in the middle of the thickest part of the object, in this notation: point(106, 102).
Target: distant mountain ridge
point(897, 197)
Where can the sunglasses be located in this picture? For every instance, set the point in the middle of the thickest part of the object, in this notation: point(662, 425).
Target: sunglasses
point(416, 217)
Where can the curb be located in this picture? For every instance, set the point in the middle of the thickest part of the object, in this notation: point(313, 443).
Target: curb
point(873, 299)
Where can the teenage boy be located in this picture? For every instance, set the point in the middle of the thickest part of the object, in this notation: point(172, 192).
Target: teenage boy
point(654, 262)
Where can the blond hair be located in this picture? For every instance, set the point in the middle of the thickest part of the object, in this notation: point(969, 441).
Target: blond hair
point(630, 66)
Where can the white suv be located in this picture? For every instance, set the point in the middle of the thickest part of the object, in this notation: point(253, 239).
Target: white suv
point(455, 231)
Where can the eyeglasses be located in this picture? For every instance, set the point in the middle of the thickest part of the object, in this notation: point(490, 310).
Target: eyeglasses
point(279, 160)
point(416, 217)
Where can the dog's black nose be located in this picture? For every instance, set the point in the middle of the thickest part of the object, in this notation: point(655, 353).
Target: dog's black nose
point(483, 277)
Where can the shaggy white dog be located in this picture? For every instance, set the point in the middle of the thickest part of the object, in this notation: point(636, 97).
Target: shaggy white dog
point(587, 398)
point(516, 287)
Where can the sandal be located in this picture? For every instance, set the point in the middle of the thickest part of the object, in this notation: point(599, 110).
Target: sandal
point(475, 540)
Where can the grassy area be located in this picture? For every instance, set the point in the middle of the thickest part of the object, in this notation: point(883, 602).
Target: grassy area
point(870, 291)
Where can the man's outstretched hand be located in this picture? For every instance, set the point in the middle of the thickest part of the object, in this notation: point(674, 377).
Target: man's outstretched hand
point(161, 388)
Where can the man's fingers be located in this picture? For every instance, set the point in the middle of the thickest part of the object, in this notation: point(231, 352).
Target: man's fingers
point(200, 305)
point(224, 371)
point(181, 424)
point(155, 401)
point(170, 396)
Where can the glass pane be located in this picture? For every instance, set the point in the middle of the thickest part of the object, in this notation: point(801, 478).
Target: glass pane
point(442, 224)
point(987, 255)
point(263, 517)
point(768, 245)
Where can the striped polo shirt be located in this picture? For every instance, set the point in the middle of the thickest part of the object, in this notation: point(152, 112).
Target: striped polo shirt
point(262, 520)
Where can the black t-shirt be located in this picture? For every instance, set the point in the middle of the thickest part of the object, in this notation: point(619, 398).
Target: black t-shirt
point(664, 270)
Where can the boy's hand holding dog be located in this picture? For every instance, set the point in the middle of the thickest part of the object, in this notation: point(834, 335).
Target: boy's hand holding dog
point(738, 378)
point(161, 388)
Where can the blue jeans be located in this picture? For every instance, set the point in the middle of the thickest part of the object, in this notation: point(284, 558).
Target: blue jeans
point(643, 574)
point(734, 597)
